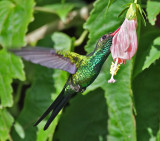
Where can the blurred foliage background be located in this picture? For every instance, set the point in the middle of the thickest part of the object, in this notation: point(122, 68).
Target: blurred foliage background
point(127, 110)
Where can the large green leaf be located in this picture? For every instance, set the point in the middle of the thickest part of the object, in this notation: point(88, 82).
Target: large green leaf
point(152, 137)
point(100, 23)
point(148, 49)
point(158, 135)
point(61, 41)
point(10, 67)
point(14, 19)
point(6, 121)
point(19, 130)
point(85, 119)
point(153, 9)
point(121, 123)
point(146, 88)
point(37, 99)
point(77, 3)
point(48, 134)
point(60, 9)
point(39, 95)
point(99, 82)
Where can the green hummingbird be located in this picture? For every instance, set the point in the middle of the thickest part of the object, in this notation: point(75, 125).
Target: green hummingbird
point(83, 69)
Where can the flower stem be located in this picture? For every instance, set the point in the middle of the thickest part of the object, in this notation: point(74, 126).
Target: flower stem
point(42, 9)
point(18, 93)
point(135, 1)
point(80, 40)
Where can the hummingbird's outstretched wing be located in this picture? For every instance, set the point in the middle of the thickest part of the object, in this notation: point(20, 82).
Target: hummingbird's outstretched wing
point(64, 60)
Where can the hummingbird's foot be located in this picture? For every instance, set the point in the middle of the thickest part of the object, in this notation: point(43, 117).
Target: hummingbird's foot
point(77, 88)
point(83, 89)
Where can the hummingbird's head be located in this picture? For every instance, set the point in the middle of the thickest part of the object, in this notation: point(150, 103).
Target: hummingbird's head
point(106, 40)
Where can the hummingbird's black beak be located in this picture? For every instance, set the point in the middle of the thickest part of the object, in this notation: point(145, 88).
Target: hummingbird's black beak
point(114, 33)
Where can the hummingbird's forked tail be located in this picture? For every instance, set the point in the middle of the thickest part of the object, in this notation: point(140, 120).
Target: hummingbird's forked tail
point(55, 107)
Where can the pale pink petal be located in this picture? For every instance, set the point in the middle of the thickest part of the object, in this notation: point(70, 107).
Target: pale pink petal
point(124, 43)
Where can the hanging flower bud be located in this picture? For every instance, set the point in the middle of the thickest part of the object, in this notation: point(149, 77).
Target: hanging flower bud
point(124, 42)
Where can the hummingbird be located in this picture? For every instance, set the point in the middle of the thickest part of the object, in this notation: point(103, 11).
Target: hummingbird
point(83, 69)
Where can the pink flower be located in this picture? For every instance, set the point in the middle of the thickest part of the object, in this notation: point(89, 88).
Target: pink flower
point(124, 45)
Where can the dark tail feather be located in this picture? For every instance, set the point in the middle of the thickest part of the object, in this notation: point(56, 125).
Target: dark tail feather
point(56, 110)
point(54, 106)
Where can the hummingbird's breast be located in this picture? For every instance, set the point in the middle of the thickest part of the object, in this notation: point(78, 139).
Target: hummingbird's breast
point(90, 67)
point(86, 73)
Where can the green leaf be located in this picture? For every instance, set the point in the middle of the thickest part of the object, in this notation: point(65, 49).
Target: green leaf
point(37, 99)
point(152, 137)
point(48, 134)
point(148, 49)
point(154, 53)
point(61, 41)
point(100, 23)
point(121, 122)
point(123, 11)
point(153, 9)
point(10, 67)
point(84, 119)
point(6, 90)
point(147, 98)
point(6, 121)
point(19, 129)
point(101, 79)
point(141, 12)
point(15, 17)
point(99, 82)
point(109, 4)
point(60, 9)
point(158, 135)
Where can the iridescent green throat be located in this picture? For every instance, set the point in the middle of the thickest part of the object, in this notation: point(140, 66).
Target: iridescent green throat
point(101, 52)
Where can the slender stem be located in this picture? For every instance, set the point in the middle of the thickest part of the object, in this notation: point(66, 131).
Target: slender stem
point(42, 9)
point(10, 138)
point(18, 93)
point(63, 1)
point(135, 1)
point(13, 1)
point(74, 18)
point(80, 40)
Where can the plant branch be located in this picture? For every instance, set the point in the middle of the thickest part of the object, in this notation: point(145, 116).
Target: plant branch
point(42, 9)
point(18, 93)
point(135, 1)
point(80, 40)
point(74, 18)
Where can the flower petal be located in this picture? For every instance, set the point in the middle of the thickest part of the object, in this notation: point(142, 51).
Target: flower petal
point(124, 43)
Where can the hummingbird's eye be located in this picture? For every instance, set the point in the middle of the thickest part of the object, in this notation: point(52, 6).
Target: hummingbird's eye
point(103, 37)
